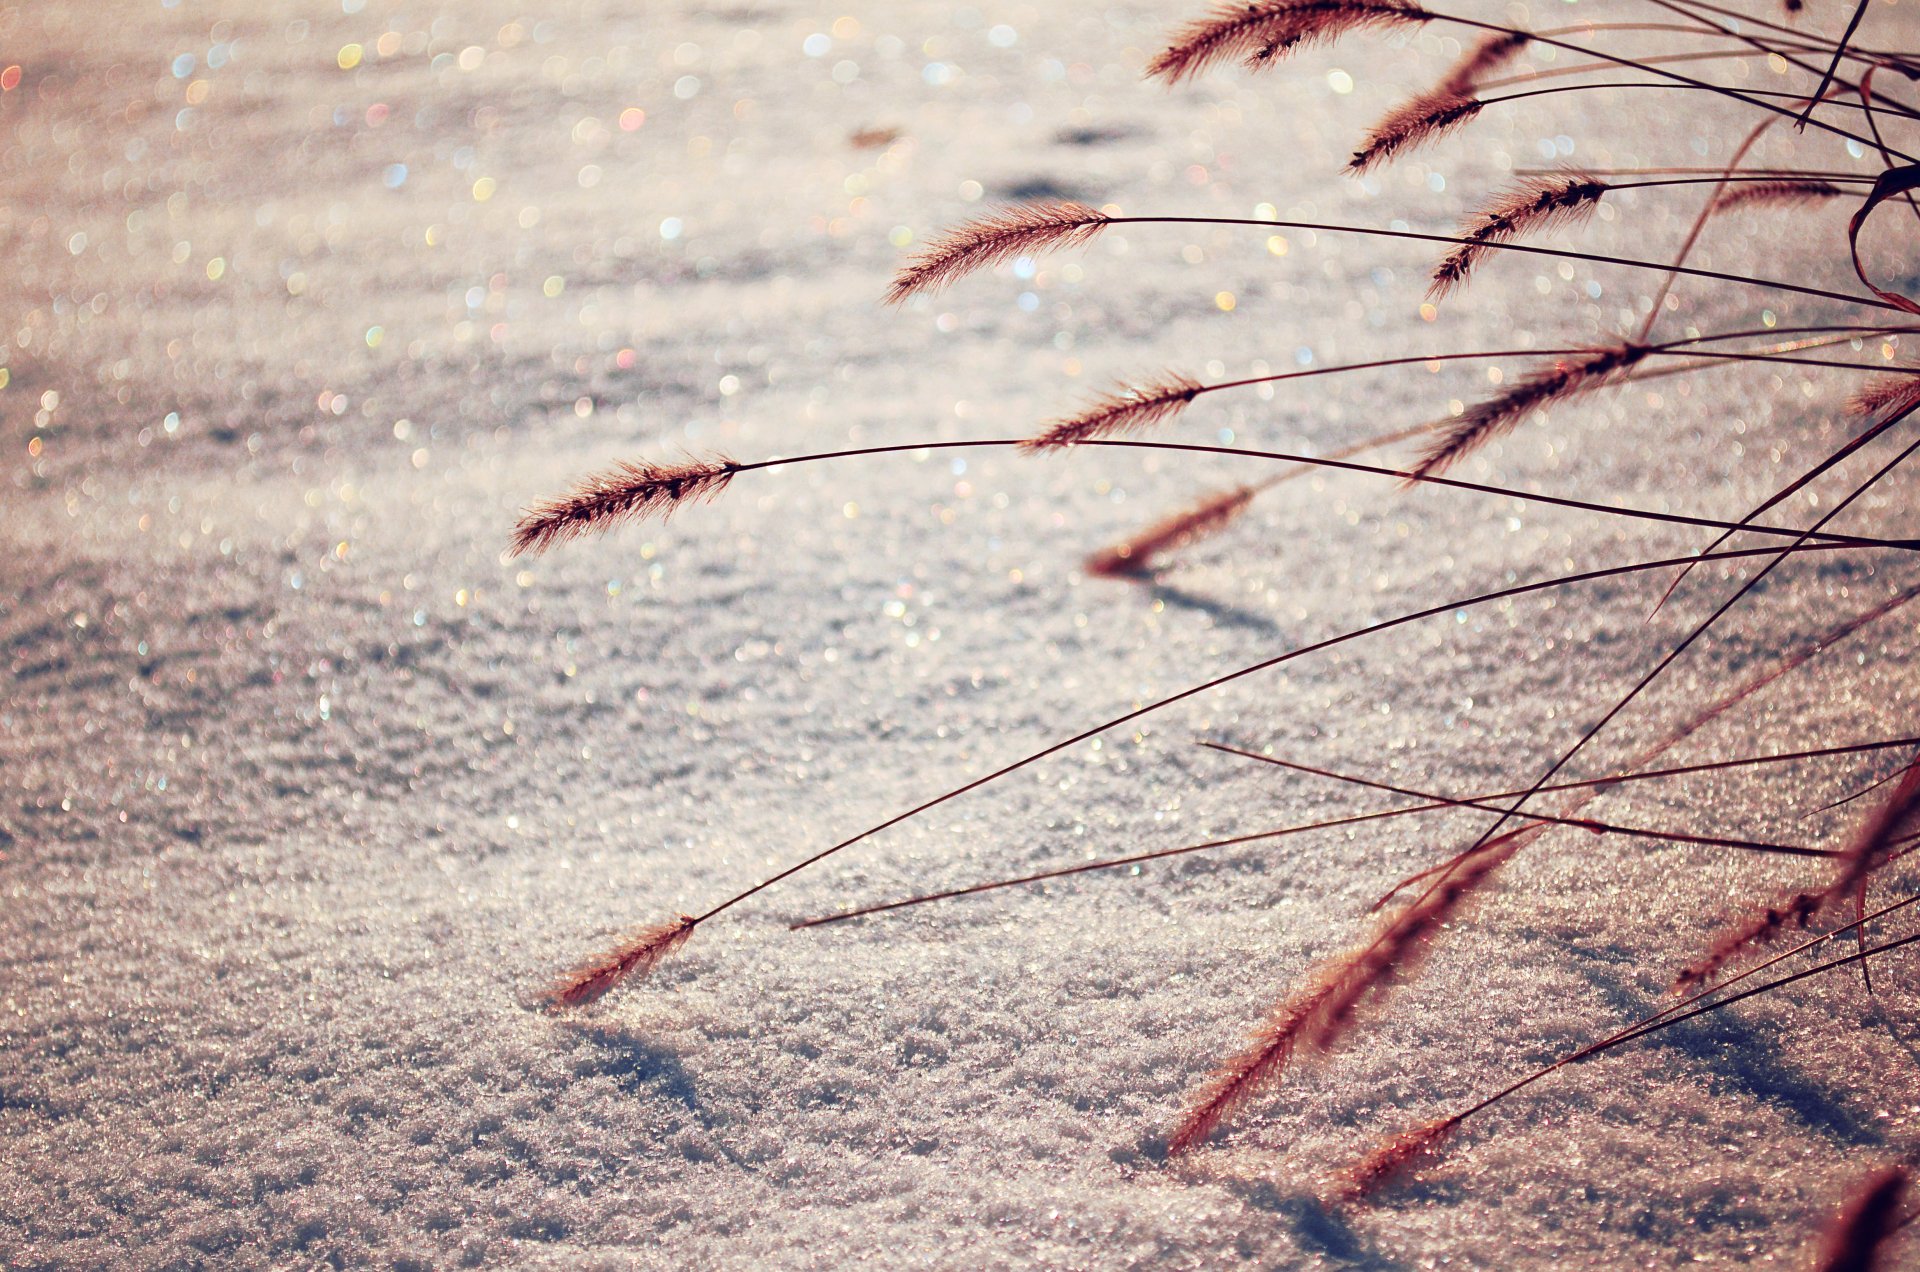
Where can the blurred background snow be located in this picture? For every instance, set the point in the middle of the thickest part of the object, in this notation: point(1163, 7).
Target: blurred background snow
point(306, 791)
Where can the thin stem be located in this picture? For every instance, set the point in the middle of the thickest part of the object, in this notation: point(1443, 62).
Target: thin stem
point(1675, 76)
point(1588, 68)
point(1479, 802)
point(1342, 465)
point(1666, 1019)
point(1668, 660)
point(1726, 180)
point(1265, 664)
point(1699, 224)
point(1680, 7)
point(1786, 492)
point(1524, 248)
point(1110, 863)
point(1757, 174)
point(1670, 88)
point(1839, 51)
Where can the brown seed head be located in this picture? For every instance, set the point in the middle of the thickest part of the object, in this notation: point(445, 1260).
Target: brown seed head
point(1866, 852)
point(1257, 33)
point(1497, 415)
point(1857, 1241)
point(1126, 409)
point(1493, 51)
point(1389, 1159)
point(628, 492)
point(1011, 232)
point(1262, 1063)
point(635, 956)
point(1317, 1016)
point(1404, 939)
point(1889, 393)
point(1134, 557)
point(1414, 123)
point(1538, 203)
point(1776, 194)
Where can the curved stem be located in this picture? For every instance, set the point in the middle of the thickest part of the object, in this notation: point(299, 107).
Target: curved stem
point(1675, 76)
point(1757, 174)
point(1670, 88)
point(1594, 730)
point(1322, 227)
point(1667, 1018)
point(1735, 179)
point(1839, 52)
point(1681, 7)
point(1216, 682)
point(1112, 863)
point(1349, 466)
point(1588, 68)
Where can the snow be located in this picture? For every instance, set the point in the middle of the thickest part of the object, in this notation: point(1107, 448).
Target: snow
point(306, 791)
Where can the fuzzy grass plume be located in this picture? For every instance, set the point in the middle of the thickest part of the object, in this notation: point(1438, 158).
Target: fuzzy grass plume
point(1498, 415)
point(1491, 52)
point(627, 492)
point(1126, 409)
point(992, 240)
point(1317, 1016)
point(1868, 851)
point(1135, 556)
point(1889, 394)
point(1414, 123)
point(1394, 1156)
point(1536, 203)
point(638, 955)
point(1858, 1239)
point(1256, 33)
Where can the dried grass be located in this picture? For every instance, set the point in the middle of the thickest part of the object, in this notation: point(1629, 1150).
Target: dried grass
point(1536, 203)
point(1500, 414)
point(1415, 123)
point(1127, 409)
point(1136, 555)
point(993, 240)
point(1778, 195)
point(633, 958)
point(1257, 33)
point(627, 492)
point(1322, 1013)
point(1867, 852)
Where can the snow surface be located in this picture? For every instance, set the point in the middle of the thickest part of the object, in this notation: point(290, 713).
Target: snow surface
point(306, 792)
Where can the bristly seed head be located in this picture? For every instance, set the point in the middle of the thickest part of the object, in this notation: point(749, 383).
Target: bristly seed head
point(1018, 231)
point(1259, 33)
point(1134, 558)
point(1318, 1016)
point(1414, 123)
point(1776, 194)
point(636, 956)
point(1389, 1159)
point(1494, 50)
point(1864, 854)
point(1890, 393)
point(1126, 409)
point(1262, 1063)
point(1537, 203)
point(626, 493)
point(1564, 378)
